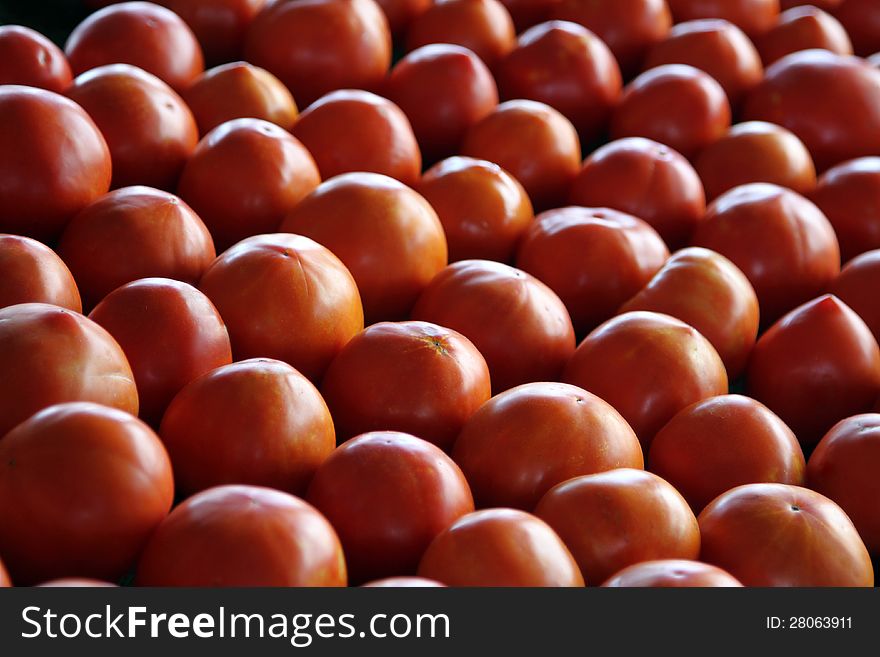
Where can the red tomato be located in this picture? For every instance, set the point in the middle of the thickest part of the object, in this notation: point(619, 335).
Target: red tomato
point(76, 582)
point(813, 542)
point(403, 582)
point(500, 547)
point(624, 360)
point(816, 366)
point(593, 258)
point(567, 67)
point(53, 355)
point(83, 486)
point(388, 494)
point(139, 33)
point(707, 291)
point(219, 25)
point(400, 13)
point(484, 210)
point(519, 324)
point(648, 180)
point(233, 536)
point(134, 233)
point(803, 28)
point(316, 46)
point(677, 105)
point(29, 58)
point(4, 577)
point(31, 272)
point(527, 13)
point(53, 163)
point(672, 573)
point(827, 5)
point(754, 17)
point(244, 176)
point(780, 240)
point(857, 287)
point(387, 235)
point(861, 18)
point(414, 377)
point(524, 441)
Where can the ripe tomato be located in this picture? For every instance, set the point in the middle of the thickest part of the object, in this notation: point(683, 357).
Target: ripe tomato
point(672, 573)
point(861, 18)
point(243, 536)
point(414, 377)
point(827, 5)
point(403, 582)
point(29, 58)
point(83, 487)
point(53, 355)
point(387, 235)
point(219, 25)
point(593, 258)
point(500, 547)
point(624, 360)
point(53, 163)
point(244, 176)
point(857, 287)
point(803, 28)
point(139, 33)
point(527, 13)
point(524, 441)
point(781, 535)
point(484, 210)
point(816, 366)
point(76, 582)
point(754, 17)
point(647, 180)
point(386, 517)
point(400, 13)
point(31, 272)
point(4, 577)
point(707, 291)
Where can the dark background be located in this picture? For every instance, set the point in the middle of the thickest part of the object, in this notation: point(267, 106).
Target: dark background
point(54, 18)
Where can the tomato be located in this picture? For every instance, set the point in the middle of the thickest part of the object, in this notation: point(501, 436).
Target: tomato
point(443, 90)
point(76, 582)
point(53, 355)
point(519, 324)
point(524, 441)
point(244, 176)
point(803, 28)
point(400, 13)
point(707, 291)
point(53, 163)
point(826, 5)
point(234, 536)
point(816, 366)
point(306, 301)
point(387, 235)
point(527, 13)
point(403, 582)
point(532, 141)
point(317, 46)
point(648, 180)
point(803, 92)
point(857, 287)
point(219, 25)
point(32, 272)
point(484, 210)
point(677, 105)
point(239, 90)
point(672, 573)
point(593, 258)
point(414, 377)
point(133, 233)
point(29, 58)
point(628, 27)
point(811, 540)
point(4, 577)
point(500, 547)
point(861, 18)
point(82, 487)
point(139, 33)
point(781, 241)
point(624, 360)
point(482, 26)
point(754, 17)
point(567, 67)
point(386, 517)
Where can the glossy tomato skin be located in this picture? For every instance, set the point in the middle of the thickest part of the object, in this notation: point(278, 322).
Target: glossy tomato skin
point(236, 536)
point(813, 542)
point(133, 233)
point(75, 582)
point(857, 287)
point(385, 516)
point(400, 13)
point(861, 18)
point(815, 366)
point(218, 25)
point(593, 258)
point(29, 58)
point(623, 360)
point(50, 176)
point(724, 442)
point(142, 34)
point(754, 17)
point(707, 291)
point(646, 179)
point(53, 355)
point(826, 5)
point(387, 235)
point(528, 13)
point(414, 377)
point(257, 421)
point(31, 272)
point(524, 441)
point(519, 324)
point(5, 582)
point(803, 28)
point(307, 301)
point(403, 582)
point(671, 573)
point(244, 176)
point(104, 483)
point(500, 547)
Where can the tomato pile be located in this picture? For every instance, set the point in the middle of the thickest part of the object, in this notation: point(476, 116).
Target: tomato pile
point(450, 292)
